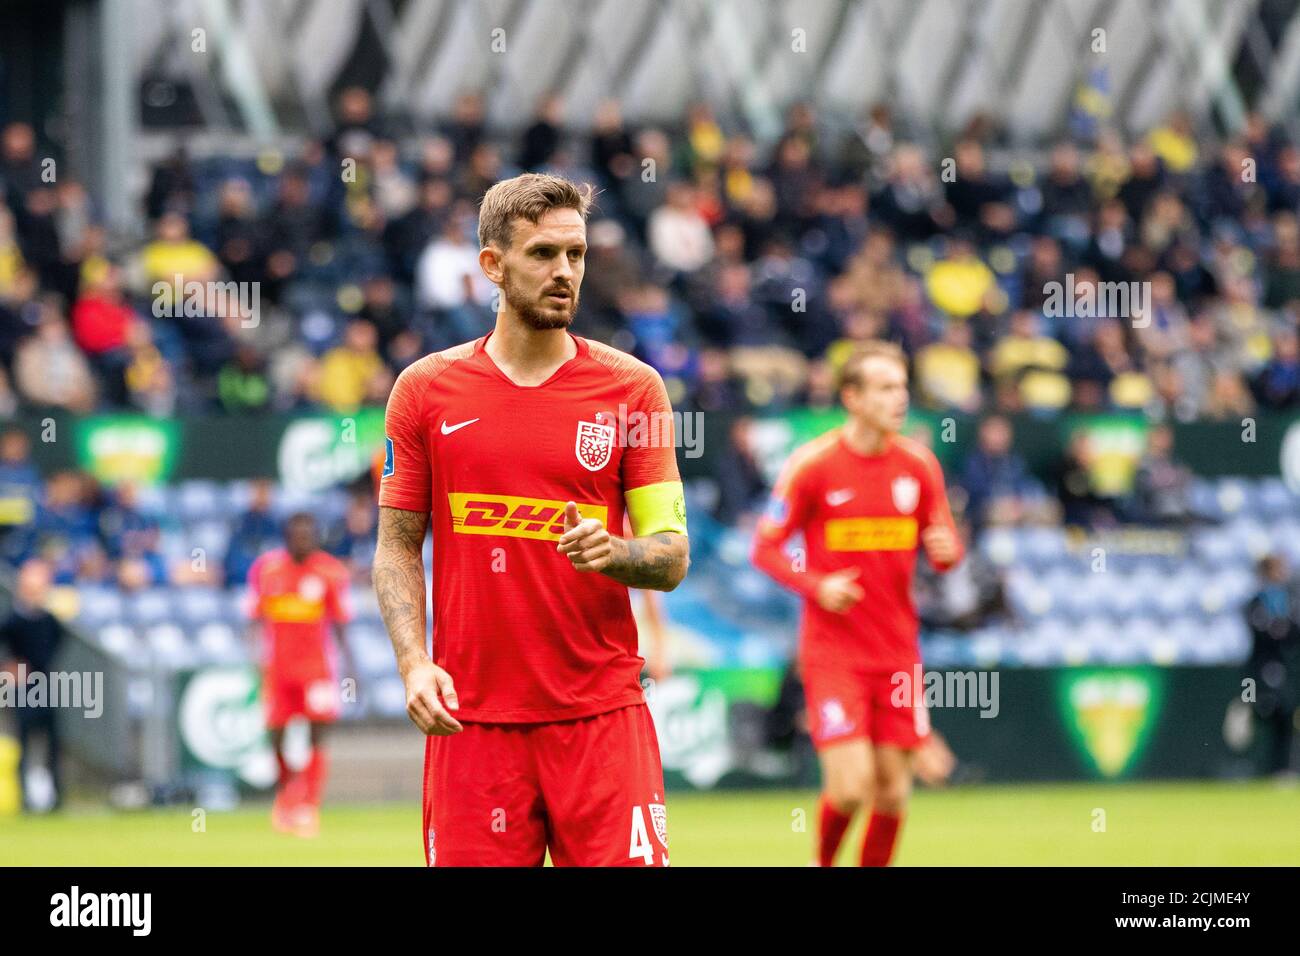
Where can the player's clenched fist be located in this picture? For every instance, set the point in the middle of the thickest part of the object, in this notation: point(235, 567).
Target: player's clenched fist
point(585, 540)
point(839, 590)
point(430, 698)
point(941, 544)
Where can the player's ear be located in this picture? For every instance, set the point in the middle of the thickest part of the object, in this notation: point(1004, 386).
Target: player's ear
point(489, 260)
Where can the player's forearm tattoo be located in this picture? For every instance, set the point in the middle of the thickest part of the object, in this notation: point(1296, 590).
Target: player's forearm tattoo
point(657, 562)
point(398, 577)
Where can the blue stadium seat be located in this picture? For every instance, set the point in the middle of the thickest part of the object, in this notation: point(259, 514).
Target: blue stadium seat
point(1044, 547)
point(219, 643)
point(99, 606)
point(123, 642)
point(169, 646)
point(387, 697)
point(199, 501)
point(196, 606)
point(211, 536)
point(1000, 546)
point(1232, 496)
point(373, 650)
point(149, 607)
point(1274, 499)
point(1204, 500)
point(1029, 596)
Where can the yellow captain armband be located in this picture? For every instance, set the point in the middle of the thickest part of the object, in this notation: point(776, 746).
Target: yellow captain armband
point(656, 508)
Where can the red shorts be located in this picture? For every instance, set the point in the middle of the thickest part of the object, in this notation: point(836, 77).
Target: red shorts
point(590, 790)
point(844, 704)
point(288, 696)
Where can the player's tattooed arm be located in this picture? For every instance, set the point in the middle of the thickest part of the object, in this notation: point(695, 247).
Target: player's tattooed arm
point(398, 577)
point(657, 562)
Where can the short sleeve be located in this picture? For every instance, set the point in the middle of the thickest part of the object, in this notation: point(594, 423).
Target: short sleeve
point(407, 475)
point(789, 505)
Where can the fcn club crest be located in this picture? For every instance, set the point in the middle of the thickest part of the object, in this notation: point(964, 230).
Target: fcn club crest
point(659, 817)
point(907, 491)
point(595, 444)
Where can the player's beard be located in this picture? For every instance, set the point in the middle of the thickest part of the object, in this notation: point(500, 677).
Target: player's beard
point(534, 316)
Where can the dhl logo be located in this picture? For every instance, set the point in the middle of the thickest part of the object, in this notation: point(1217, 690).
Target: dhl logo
point(513, 516)
point(871, 534)
point(292, 609)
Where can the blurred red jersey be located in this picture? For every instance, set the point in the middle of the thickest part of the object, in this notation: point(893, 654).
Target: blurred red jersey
point(297, 603)
point(525, 636)
point(855, 510)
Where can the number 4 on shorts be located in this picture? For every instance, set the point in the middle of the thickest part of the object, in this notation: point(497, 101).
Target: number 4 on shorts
point(641, 847)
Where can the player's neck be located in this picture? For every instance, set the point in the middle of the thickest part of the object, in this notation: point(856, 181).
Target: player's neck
point(865, 439)
point(526, 355)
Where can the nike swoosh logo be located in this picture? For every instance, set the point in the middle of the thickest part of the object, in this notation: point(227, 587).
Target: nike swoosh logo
point(447, 430)
point(836, 498)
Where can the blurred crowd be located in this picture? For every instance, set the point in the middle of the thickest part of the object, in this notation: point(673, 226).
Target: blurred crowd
point(306, 281)
point(742, 273)
point(87, 533)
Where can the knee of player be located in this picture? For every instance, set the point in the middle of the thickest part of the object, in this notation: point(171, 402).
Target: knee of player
point(891, 795)
point(849, 796)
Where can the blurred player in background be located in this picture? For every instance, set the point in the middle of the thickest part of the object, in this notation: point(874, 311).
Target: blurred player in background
point(513, 447)
point(865, 499)
point(30, 638)
point(298, 594)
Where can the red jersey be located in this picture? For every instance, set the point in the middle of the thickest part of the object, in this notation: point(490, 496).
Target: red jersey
point(855, 510)
point(297, 603)
point(526, 637)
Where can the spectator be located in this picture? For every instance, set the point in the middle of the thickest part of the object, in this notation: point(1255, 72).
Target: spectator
point(353, 542)
point(450, 284)
point(994, 476)
point(173, 256)
point(50, 371)
point(542, 137)
point(959, 283)
point(611, 146)
point(1277, 385)
point(740, 481)
point(948, 371)
point(255, 531)
point(239, 237)
point(242, 383)
point(1081, 503)
point(968, 597)
point(1162, 486)
point(33, 637)
point(101, 325)
point(20, 169)
point(1272, 615)
point(148, 377)
point(678, 236)
point(20, 490)
point(347, 371)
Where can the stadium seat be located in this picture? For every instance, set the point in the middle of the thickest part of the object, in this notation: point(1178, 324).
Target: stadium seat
point(218, 643)
point(149, 607)
point(199, 501)
point(196, 606)
point(98, 606)
point(169, 646)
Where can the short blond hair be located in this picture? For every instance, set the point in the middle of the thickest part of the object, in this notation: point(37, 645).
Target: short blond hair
point(529, 196)
point(851, 370)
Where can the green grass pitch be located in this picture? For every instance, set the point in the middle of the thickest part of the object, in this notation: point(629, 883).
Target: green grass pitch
point(1173, 824)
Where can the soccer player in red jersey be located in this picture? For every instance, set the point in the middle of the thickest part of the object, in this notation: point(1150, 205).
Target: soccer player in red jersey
point(865, 499)
point(297, 592)
point(522, 450)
